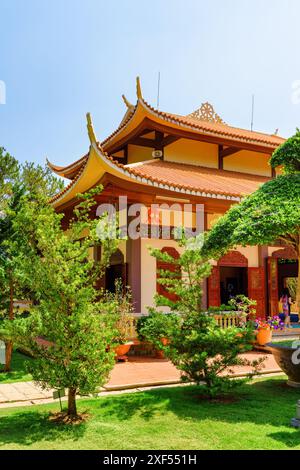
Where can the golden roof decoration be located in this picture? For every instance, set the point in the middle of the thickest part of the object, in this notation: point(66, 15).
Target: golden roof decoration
point(90, 128)
point(206, 113)
point(127, 103)
point(138, 89)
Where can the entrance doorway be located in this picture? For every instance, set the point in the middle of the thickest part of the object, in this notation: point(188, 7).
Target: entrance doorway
point(116, 270)
point(233, 281)
point(287, 276)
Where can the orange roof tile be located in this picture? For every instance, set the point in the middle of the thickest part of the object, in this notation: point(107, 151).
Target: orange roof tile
point(221, 129)
point(195, 178)
point(201, 126)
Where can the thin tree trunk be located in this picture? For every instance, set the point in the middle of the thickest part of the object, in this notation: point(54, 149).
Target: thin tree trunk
point(72, 409)
point(9, 344)
point(298, 284)
point(8, 355)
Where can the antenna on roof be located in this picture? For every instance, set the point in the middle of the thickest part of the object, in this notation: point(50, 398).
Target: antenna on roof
point(158, 89)
point(252, 113)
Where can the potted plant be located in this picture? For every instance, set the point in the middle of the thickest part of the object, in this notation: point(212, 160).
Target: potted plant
point(157, 329)
point(265, 328)
point(122, 300)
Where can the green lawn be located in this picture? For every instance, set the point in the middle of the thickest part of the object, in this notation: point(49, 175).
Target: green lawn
point(288, 343)
point(169, 418)
point(18, 372)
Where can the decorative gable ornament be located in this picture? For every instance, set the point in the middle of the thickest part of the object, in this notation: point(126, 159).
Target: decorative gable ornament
point(207, 113)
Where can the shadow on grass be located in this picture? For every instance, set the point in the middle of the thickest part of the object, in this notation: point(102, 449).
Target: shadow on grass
point(269, 402)
point(26, 428)
point(264, 403)
point(291, 438)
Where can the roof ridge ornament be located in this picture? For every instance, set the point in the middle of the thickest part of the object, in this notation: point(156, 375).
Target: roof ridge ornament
point(138, 89)
point(127, 103)
point(206, 113)
point(90, 128)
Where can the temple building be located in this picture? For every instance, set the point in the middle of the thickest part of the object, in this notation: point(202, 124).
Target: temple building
point(155, 157)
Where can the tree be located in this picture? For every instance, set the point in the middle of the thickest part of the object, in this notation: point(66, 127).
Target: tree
point(10, 272)
point(17, 181)
point(76, 326)
point(271, 213)
point(9, 170)
point(197, 346)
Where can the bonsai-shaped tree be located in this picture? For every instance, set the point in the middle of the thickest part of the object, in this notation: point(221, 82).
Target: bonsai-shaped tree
point(196, 345)
point(271, 213)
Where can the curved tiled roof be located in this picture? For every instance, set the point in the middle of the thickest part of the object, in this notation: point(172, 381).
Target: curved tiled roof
point(223, 130)
point(72, 182)
point(69, 171)
point(202, 126)
point(198, 178)
point(178, 177)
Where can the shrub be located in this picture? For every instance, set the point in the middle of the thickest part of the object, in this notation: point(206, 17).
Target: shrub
point(203, 351)
point(200, 349)
point(157, 326)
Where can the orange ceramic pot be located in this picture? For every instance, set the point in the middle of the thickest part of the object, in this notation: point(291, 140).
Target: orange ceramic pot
point(264, 336)
point(122, 350)
point(164, 341)
point(159, 353)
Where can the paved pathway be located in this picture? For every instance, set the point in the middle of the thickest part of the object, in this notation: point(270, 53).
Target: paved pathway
point(137, 373)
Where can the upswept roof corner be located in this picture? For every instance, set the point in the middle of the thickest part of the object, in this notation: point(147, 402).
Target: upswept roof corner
point(138, 89)
point(69, 171)
point(90, 128)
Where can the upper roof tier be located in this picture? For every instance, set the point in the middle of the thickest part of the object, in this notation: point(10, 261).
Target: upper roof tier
point(202, 125)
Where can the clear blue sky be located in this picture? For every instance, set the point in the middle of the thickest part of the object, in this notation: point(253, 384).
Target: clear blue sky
point(62, 58)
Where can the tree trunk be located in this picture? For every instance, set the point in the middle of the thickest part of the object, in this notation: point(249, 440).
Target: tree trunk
point(298, 284)
point(8, 355)
point(9, 344)
point(72, 409)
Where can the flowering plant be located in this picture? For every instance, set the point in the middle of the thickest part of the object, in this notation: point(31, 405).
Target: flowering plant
point(272, 323)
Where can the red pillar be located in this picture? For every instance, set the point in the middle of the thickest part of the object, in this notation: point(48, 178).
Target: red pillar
point(273, 285)
point(214, 294)
point(257, 289)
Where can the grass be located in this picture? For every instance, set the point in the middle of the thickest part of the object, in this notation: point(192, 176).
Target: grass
point(288, 343)
point(18, 372)
point(166, 418)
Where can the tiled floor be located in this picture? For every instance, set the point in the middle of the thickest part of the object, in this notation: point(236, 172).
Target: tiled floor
point(136, 373)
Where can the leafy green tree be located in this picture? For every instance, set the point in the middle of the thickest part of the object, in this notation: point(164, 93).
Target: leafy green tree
point(271, 213)
point(9, 171)
point(10, 272)
point(200, 349)
point(75, 326)
point(16, 182)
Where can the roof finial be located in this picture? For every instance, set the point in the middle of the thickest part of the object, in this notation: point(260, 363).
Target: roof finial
point(128, 104)
point(90, 129)
point(206, 113)
point(138, 89)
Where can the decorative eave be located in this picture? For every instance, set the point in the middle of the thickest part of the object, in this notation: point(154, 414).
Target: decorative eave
point(69, 171)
